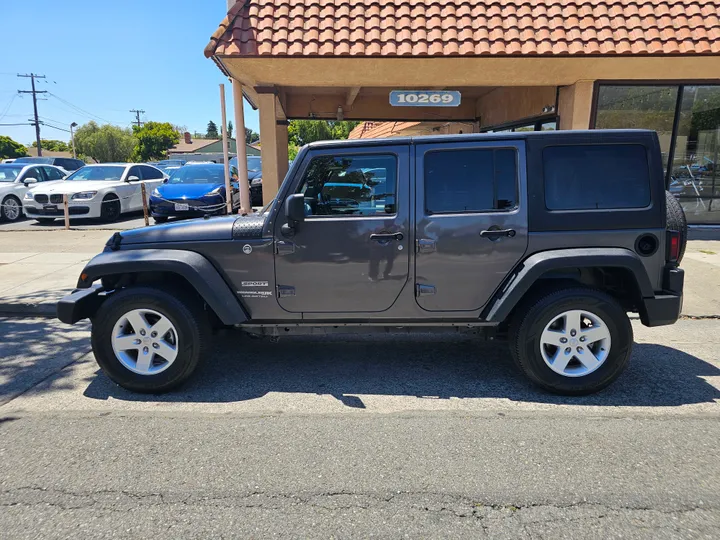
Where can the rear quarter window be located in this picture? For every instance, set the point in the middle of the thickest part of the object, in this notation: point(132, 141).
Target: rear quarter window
point(593, 177)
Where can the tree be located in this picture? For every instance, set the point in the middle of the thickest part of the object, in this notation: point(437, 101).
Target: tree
point(230, 129)
point(154, 139)
point(105, 143)
point(302, 132)
point(54, 145)
point(10, 148)
point(212, 131)
point(251, 136)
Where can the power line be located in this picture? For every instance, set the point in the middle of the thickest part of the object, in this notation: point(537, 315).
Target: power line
point(78, 109)
point(34, 93)
point(137, 115)
point(7, 107)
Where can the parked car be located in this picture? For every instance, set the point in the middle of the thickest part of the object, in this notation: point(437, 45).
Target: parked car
point(16, 179)
point(69, 164)
point(547, 238)
point(169, 165)
point(195, 189)
point(254, 165)
point(102, 191)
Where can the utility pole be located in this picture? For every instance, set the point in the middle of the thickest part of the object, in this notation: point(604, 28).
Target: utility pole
point(34, 93)
point(137, 116)
point(72, 137)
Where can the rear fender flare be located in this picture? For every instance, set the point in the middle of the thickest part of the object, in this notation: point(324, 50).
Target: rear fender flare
point(535, 266)
point(195, 268)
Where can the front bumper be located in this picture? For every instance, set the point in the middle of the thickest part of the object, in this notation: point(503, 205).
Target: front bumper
point(197, 207)
point(87, 209)
point(80, 304)
point(665, 307)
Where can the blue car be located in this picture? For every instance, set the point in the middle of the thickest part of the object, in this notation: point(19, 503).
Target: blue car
point(194, 190)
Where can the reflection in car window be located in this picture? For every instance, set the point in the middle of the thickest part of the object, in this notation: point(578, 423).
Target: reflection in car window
point(360, 185)
point(98, 172)
point(52, 173)
point(470, 180)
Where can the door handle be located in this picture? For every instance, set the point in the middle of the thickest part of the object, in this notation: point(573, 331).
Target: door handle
point(386, 237)
point(495, 233)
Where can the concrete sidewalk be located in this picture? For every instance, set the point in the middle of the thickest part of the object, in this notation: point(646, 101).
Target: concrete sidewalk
point(39, 268)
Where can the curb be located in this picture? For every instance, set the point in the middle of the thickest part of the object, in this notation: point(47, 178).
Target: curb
point(10, 309)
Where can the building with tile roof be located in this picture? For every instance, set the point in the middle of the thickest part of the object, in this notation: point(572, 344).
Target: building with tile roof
point(517, 65)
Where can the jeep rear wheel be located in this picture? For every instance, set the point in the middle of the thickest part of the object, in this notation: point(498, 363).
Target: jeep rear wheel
point(572, 341)
point(147, 340)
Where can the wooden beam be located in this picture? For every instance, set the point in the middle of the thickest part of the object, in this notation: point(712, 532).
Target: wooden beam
point(352, 94)
point(371, 107)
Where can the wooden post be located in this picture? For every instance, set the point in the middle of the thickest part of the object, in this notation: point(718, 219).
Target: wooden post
point(67, 212)
point(145, 208)
point(228, 187)
point(244, 185)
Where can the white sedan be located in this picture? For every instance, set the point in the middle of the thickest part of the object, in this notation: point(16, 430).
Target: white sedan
point(16, 179)
point(104, 191)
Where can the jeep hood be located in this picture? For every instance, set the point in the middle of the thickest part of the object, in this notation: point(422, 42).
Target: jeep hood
point(194, 230)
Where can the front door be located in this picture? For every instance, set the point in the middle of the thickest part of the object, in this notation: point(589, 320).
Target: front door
point(351, 252)
point(471, 217)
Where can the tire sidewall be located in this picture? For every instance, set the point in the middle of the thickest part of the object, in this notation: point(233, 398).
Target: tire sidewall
point(188, 334)
point(540, 315)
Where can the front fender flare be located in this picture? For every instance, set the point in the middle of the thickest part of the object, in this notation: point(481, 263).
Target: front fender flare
point(195, 268)
point(530, 270)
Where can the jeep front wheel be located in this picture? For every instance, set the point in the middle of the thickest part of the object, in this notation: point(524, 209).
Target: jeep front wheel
point(148, 340)
point(572, 341)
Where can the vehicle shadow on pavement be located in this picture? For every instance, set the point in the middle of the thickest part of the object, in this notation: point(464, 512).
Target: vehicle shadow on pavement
point(33, 349)
point(424, 366)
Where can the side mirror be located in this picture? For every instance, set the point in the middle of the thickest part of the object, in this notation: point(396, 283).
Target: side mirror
point(30, 180)
point(165, 180)
point(132, 179)
point(295, 208)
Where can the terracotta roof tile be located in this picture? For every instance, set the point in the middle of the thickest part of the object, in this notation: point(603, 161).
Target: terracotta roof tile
point(467, 28)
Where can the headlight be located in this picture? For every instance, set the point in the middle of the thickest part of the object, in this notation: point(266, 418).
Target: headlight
point(215, 191)
point(28, 196)
point(256, 182)
point(84, 196)
point(155, 193)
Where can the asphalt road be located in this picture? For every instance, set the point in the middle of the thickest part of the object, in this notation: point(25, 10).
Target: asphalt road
point(392, 436)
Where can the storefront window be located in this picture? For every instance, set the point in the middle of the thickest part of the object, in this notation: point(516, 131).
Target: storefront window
point(639, 107)
point(694, 179)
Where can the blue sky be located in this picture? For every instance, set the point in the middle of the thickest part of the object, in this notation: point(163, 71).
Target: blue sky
point(106, 58)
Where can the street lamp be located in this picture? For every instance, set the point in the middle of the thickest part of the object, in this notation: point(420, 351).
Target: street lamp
point(72, 137)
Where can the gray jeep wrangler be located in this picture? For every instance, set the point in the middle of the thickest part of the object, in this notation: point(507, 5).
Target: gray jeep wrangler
point(548, 238)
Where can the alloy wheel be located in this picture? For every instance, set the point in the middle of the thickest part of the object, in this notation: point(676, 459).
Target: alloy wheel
point(145, 341)
point(575, 343)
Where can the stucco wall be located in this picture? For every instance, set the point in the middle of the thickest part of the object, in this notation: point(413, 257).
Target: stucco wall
point(508, 104)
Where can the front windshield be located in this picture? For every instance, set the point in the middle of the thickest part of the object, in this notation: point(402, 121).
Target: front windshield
point(199, 174)
point(98, 172)
point(9, 173)
point(254, 163)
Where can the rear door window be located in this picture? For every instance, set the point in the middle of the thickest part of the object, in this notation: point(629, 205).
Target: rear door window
point(150, 173)
point(593, 177)
point(470, 180)
point(51, 173)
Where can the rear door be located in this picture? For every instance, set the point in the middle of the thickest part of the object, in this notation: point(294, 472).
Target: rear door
point(471, 216)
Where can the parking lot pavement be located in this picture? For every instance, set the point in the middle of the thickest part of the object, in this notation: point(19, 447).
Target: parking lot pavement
point(432, 436)
point(131, 220)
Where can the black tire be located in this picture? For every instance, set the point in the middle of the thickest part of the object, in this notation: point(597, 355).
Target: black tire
point(4, 209)
point(676, 221)
point(111, 208)
point(45, 220)
point(532, 318)
point(160, 219)
point(187, 316)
